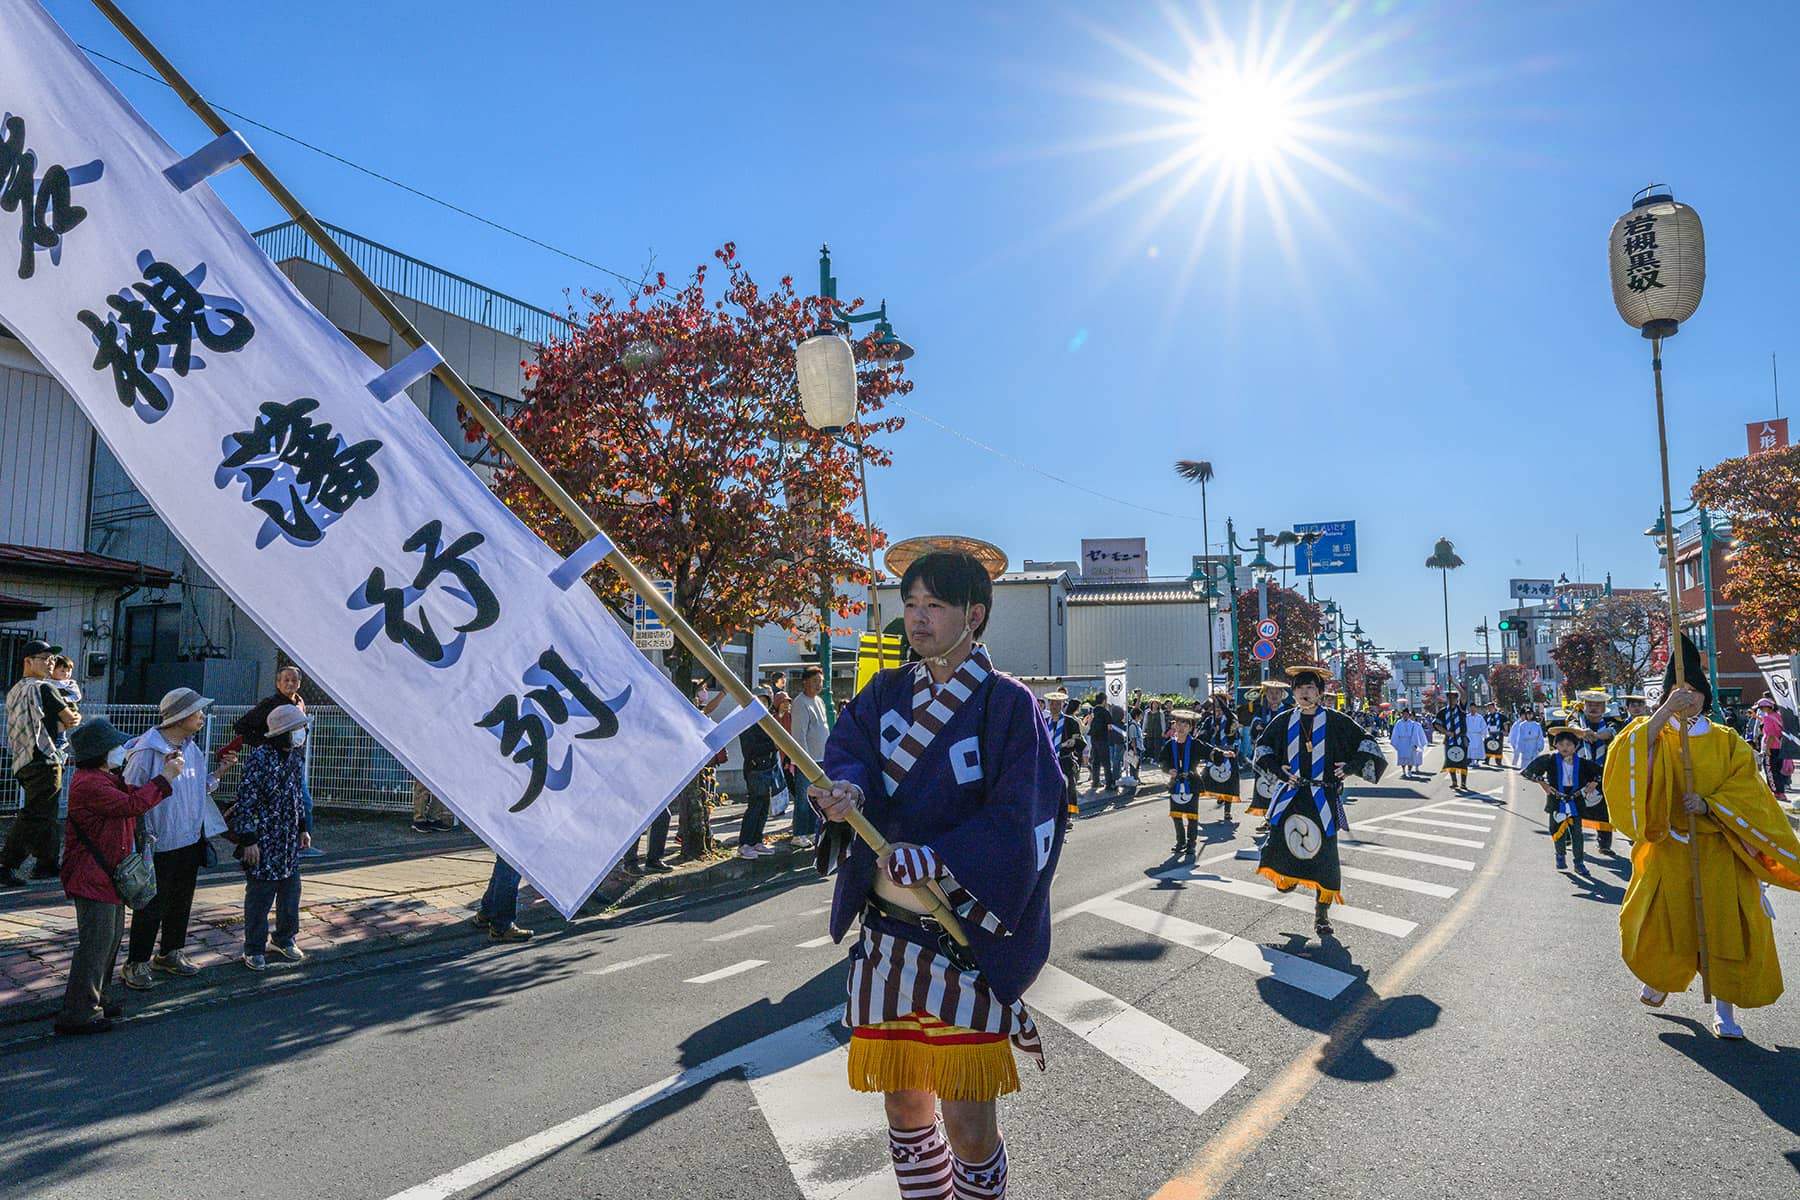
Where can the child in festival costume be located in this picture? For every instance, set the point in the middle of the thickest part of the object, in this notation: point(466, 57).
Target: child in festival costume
point(1408, 738)
point(1571, 789)
point(1067, 737)
point(1271, 702)
point(1741, 837)
point(1187, 759)
point(950, 760)
point(1493, 742)
point(1453, 719)
point(1311, 750)
point(1218, 728)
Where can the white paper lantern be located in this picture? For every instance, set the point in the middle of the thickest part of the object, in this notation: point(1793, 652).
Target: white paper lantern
point(1658, 259)
point(827, 374)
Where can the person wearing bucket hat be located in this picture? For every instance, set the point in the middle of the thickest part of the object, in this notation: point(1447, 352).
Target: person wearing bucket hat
point(1740, 838)
point(179, 829)
point(272, 829)
point(1309, 751)
point(1453, 719)
point(1571, 790)
point(102, 833)
point(1219, 729)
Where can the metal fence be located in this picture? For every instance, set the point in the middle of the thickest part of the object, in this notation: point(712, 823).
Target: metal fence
point(345, 767)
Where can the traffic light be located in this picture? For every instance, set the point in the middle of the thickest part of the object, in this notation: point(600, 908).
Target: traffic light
point(1417, 657)
point(1506, 622)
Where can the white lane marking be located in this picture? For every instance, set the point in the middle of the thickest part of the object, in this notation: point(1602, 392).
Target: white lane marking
point(1486, 812)
point(1193, 1074)
point(749, 964)
point(791, 1045)
point(626, 965)
point(1436, 860)
point(1441, 824)
point(1302, 902)
point(815, 943)
point(1433, 837)
point(1398, 882)
point(1279, 965)
point(813, 912)
point(1471, 806)
point(738, 933)
point(1210, 860)
point(831, 1137)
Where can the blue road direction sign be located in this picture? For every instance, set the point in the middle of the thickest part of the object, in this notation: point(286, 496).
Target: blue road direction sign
point(1334, 553)
point(644, 618)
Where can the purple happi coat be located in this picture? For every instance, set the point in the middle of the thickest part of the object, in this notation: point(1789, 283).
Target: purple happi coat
point(985, 794)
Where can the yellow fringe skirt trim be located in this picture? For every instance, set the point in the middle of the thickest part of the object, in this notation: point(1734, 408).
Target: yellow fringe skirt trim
point(922, 1053)
point(1288, 883)
point(1257, 808)
point(1222, 797)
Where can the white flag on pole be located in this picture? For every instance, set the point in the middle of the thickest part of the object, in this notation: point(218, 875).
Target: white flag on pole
point(341, 522)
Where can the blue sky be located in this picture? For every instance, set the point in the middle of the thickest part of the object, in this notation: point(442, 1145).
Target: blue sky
point(1430, 350)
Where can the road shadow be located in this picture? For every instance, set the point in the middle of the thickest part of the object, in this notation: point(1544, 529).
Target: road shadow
point(62, 1091)
point(1764, 1075)
point(1347, 1054)
point(1597, 890)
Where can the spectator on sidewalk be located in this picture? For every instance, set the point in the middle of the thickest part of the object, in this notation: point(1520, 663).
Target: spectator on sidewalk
point(102, 831)
point(429, 813)
point(762, 774)
point(270, 822)
point(1156, 729)
point(176, 832)
point(1100, 747)
point(500, 905)
point(252, 727)
point(811, 730)
point(62, 678)
point(36, 718)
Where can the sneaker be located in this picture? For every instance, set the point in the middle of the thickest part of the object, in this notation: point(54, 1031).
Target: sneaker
point(289, 952)
point(747, 852)
point(805, 841)
point(481, 921)
point(425, 827)
point(657, 868)
point(137, 977)
point(508, 933)
point(1562, 864)
point(173, 964)
point(1582, 870)
point(256, 962)
point(97, 1025)
point(8, 879)
point(312, 852)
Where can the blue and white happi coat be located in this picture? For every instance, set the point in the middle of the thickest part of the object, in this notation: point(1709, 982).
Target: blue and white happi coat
point(966, 769)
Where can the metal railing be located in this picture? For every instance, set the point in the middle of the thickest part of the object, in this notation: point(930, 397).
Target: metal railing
point(404, 275)
point(345, 767)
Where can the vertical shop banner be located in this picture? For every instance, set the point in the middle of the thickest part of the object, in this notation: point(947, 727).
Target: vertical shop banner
point(337, 518)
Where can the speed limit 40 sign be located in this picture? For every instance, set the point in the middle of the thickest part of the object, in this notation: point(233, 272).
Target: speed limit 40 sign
point(1266, 629)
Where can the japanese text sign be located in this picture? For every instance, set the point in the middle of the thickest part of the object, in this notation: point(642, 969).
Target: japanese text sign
point(1333, 554)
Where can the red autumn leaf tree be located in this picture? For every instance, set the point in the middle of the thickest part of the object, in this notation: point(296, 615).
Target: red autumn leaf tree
point(1511, 685)
point(1299, 620)
point(1577, 655)
point(1761, 495)
point(674, 418)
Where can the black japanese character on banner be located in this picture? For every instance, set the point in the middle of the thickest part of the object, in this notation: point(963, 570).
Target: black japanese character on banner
point(297, 472)
point(525, 725)
point(45, 206)
point(468, 588)
point(168, 310)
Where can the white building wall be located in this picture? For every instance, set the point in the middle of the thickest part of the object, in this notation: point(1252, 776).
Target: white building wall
point(1028, 632)
point(1164, 643)
point(46, 451)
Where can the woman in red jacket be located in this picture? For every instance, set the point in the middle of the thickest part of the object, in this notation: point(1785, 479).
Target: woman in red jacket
point(103, 811)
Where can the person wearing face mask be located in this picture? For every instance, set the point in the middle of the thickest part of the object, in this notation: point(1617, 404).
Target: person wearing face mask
point(178, 830)
point(272, 829)
point(1739, 836)
point(252, 728)
point(102, 831)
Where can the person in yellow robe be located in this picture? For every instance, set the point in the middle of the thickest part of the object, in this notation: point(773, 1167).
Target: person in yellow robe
point(1744, 842)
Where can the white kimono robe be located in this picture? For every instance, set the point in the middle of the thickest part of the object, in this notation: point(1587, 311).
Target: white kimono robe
point(1526, 740)
point(1408, 739)
point(1478, 731)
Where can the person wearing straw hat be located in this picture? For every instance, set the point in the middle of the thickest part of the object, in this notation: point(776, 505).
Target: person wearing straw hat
point(951, 762)
point(1571, 787)
point(1066, 736)
point(1187, 759)
point(1271, 700)
point(1493, 741)
point(1219, 729)
point(1740, 838)
point(1596, 731)
point(178, 830)
point(1453, 719)
point(1310, 751)
point(270, 822)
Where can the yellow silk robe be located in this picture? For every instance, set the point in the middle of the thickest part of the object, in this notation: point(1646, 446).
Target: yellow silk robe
point(1744, 839)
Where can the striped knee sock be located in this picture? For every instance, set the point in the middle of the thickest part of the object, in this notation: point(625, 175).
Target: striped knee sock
point(921, 1163)
point(981, 1181)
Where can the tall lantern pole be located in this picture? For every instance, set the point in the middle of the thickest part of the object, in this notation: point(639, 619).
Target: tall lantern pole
point(1657, 254)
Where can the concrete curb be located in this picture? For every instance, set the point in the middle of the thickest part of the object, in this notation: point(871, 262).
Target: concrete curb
point(721, 876)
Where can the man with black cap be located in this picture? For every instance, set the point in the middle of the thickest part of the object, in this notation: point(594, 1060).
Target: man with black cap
point(36, 716)
point(1453, 719)
point(1725, 820)
point(1571, 790)
point(1309, 751)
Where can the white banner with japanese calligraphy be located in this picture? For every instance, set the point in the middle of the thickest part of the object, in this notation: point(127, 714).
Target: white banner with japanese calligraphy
point(343, 524)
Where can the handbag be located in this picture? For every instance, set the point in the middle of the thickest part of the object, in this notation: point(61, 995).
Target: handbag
point(132, 877)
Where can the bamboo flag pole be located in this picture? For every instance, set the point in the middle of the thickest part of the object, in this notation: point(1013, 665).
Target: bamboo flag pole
point(1675, 657)
point(502, 437)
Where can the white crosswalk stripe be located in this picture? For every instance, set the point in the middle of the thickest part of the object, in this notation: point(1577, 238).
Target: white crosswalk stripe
point(1439, 823)
point(1193, 1074)
point(815, 943)
point(1472, 807)
point(1398, 882)
point(738, 933)
point(749, 964)
point(1279, 965)
point(834, 1139)
point(626, 965)
point(1440, 839)
point(1301, 902)
point(1418, 856)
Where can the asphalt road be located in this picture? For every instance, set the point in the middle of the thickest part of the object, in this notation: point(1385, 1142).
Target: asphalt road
point(1469, 1032)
